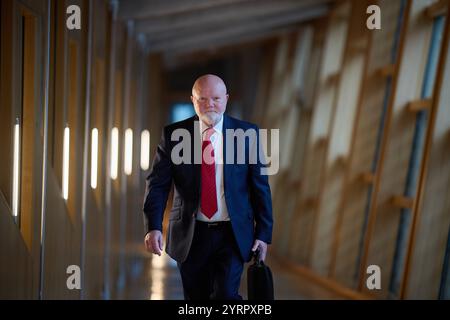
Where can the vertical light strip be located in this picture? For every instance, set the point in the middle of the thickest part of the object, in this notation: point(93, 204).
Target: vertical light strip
point(145, 150)
point(128, 168)
point(16, 169)
point(94, 158)
point(65, 182)
point(114, 152)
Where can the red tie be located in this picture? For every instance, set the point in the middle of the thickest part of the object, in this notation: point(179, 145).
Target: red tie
point(208, 191)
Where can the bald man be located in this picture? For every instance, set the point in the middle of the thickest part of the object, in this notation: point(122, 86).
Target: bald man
point(222, 210)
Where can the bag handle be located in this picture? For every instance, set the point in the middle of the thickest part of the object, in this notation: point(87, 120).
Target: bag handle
point(257, 257)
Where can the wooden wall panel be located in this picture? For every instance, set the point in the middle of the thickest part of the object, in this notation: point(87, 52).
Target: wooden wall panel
point(287, 135)
point(281, 106)
point(62, 233)
point(305, 96)
point(7, 97)
point(301, 139)
point(31, 140)
point(95, 212)
point(348, 254)
point(353, 206)
point(57, 112)
point(281, 114)
point(397, 146)
point(346, 110)
point(95, 241)
point(261, 104)
point(285, 219)
point(325, 220)
point(301, 102)
point(308, 201)
point(433, 222)
point(61, 246)
point(319, 131)
point(62, 242)
point(21, 96)
point(16, 268)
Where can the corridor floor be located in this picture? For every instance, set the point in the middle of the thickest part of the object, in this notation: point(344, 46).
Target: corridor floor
point(157, 278)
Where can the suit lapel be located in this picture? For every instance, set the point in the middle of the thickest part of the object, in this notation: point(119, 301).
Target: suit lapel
point(226, 167)
point(195, 154)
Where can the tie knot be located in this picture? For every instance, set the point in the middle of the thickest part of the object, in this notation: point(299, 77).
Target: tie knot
point(208, 133)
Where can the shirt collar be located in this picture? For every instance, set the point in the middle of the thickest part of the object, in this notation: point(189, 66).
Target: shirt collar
point(217, 128)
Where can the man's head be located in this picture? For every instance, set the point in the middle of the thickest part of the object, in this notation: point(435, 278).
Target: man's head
point(209, 96)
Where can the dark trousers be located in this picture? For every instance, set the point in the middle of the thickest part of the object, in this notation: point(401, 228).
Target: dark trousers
point(214, 266)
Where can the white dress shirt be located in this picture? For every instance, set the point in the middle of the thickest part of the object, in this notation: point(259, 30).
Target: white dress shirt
point(217, 144)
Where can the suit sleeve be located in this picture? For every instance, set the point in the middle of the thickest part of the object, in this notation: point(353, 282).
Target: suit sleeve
point(158, 185)
point(261, 198)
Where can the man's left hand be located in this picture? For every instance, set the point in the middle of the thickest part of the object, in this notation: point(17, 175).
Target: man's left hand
point(262, 247)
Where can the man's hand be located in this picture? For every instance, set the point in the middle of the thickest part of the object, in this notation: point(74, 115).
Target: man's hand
point(262, 247)
point(153, 242)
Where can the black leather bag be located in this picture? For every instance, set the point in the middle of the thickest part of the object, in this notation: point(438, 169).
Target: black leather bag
point(259, 281)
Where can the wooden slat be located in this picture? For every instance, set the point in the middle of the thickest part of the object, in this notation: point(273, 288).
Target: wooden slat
point(336, 12)
point(332, 78)
point(341, 160)
point(28, 213)
point(296, 184)
point(437, 9)
point(386, 70)
point(367, 177)
point(402, 202)
point(419, 105)
point(321, 142)
point(310, 202)
point(357, 47)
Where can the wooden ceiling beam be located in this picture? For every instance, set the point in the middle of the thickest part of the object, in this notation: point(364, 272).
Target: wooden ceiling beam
point(211, 37)
point(142, 9)
point(227, 15)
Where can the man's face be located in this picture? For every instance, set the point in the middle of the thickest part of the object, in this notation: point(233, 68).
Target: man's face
point(210, 101)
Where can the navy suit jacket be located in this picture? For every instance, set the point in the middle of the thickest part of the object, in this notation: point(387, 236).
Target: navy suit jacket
point(247, 191)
